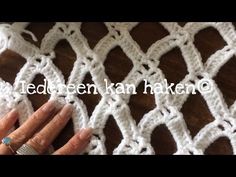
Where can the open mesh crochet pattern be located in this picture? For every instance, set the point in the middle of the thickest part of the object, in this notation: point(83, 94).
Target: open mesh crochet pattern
point(136, 137)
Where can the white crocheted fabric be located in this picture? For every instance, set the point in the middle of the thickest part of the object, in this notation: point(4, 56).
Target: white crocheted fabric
point(136, 138)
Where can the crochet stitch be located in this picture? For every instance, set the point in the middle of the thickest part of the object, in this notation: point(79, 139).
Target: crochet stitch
point(136, 137)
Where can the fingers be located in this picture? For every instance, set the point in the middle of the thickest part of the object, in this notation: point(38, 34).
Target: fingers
point(27, 130)
point(41, 141)
point(7, 122)
point(39, 117)
point(76, 144)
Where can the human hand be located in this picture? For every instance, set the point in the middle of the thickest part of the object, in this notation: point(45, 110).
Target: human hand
point(37, 133)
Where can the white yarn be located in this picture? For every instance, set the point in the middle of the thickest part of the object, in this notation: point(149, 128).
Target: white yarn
point(136, 138)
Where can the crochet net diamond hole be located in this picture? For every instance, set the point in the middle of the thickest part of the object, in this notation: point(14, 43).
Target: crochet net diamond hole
point(90, 100)
point(64, 54)
point(221, 146)
point(208, 41)
point(37, 99)
point(155, 32)
point(10, 65)
point(114, 65)
point(225, 83)
point(196, 113)
point(139, 108)
point(38, 31)
point(93, 36)
point(162, 141)
point(64, 135)
point(182, 24)
point(113, 135)
point(173, 66)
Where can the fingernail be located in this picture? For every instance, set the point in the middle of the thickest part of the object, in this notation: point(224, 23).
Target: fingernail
point(85, 133)
point(13, 114)
point(66, 110)
point(49, 106)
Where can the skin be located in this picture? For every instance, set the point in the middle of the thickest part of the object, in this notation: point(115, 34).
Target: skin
point(41, 129)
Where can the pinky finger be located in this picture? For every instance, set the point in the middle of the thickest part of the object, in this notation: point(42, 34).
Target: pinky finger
point(76, 144)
